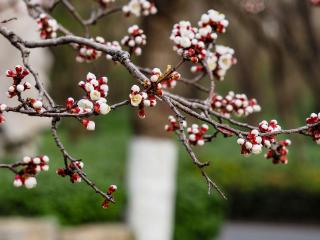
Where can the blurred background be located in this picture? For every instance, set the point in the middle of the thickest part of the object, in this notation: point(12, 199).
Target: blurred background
point(278, 50)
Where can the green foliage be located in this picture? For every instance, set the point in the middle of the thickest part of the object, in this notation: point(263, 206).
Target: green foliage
point(198, 215)
point(258, 189)
point(104, 160)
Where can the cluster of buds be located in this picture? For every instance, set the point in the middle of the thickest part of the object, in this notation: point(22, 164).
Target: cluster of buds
point(114, 45)
point(215, 20)
point(135, 40)
point(142, 99)
point(31, 166)
point(139, 7)
point(256, 139)
point(72, 171)
point(218, 62)
point(105, 3)
point(238, 104)
point(168, 79)
point(96, 89)
point(315, 2)
point(187, 43)
point(112, 189)
point(89, 54)
point(173, 124)
point(36, 104)
point(196, 134)
point(251, 144)
point(254, 6)
point(17, 75)
point(171, 80)
point(278, 152)
point(95, 101)
point(47, 26)
point(269, 127)
point(315, 130)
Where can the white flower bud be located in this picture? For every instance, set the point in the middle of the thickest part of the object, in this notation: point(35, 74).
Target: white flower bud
point(45, 158)
point(135, 88)
point(185, 42)
point(91, 126)
point(17, 183)
point(248, 145)
point(256, 149)
point(138, 51)
point(267, 144)
point(45, 168)
point(20, 88)
point(11, 89)
point(95, 95)
point(154, 78)
point(147, 103)
point(30, 182)
point(26, 159)
point(258, 139)
point(37, 104)
point(240, 141)
point(36, 160)
point(255, 132)
point(104, 109)
point(192, 137)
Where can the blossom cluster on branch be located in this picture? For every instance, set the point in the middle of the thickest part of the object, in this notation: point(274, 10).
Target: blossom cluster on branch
point(209, 117)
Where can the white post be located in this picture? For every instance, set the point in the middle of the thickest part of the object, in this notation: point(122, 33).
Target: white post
point(21, 128)
point(151, 185)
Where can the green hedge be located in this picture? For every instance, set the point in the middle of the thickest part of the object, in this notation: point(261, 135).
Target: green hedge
point(104, 160)
point(104, 155)
point(198, 215)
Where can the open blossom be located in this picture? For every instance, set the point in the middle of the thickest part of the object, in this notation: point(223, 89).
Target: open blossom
point(96, 93)
point(139, 7)
point(17, 75)
point(196, 134)
point(219, 62)
point(31, 166)
point(72, 171)
point(114, 45)
point(134, 40)
point(315, 130)
point(186, 43)
point(232, 103)
point(142, 99)
point(89, 54)
point(215, 20)
point(95, 100)
point(47, 26)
